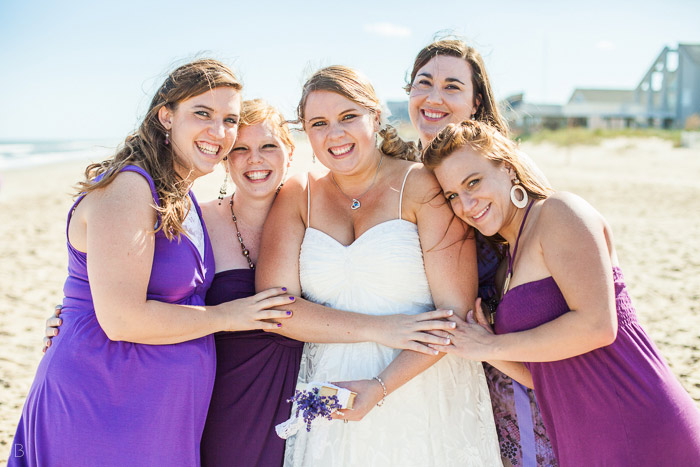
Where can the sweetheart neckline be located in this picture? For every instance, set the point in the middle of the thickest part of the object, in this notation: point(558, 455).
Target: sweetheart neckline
point(363, 233)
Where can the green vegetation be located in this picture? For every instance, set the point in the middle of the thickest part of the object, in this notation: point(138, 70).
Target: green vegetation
point(575, 136)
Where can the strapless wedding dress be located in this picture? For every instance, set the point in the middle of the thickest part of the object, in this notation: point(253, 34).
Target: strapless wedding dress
point(442, 417)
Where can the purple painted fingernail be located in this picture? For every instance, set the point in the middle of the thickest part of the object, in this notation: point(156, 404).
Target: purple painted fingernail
point(279, 325)
point(291, 298)
point(284, 289)
point(289, 313)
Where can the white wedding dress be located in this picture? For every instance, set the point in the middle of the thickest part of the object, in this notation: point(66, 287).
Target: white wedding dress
point(442, 417)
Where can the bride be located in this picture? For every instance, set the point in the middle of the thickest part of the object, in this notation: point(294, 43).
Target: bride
point(372, 235)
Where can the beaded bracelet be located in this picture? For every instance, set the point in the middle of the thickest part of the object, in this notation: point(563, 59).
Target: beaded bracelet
point(381, 402)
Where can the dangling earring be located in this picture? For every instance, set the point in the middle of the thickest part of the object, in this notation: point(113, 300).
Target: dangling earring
point(519, 203)
point(313, 157)
point(224, 186)
point(167, 138)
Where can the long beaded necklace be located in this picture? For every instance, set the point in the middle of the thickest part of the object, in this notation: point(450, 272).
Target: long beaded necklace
point(244, 250)
point(355, 202)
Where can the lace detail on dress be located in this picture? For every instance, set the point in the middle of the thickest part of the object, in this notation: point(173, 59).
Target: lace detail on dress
point(441, 417)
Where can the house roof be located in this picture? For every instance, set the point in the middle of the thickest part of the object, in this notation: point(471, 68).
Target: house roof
point(601, 95)
point(692, 50)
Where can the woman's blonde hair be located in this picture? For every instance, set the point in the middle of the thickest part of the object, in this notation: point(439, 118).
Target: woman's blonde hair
point(487, 110)
point(492, 145)
point(146, 147)
point(256, 111)
point(357, 88)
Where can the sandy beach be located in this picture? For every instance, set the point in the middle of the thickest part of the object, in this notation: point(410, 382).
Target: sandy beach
point(648, 191)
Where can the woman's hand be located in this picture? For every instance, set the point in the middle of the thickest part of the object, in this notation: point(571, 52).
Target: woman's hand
point(415, 332)
point(52, 325)
point(369, 393)
point(472, 339)
point(255, 312)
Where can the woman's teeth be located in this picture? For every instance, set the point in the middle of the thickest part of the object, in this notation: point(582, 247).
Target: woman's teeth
point(481, 214)
point(340, 150)
point(207, 148)
point(434, 115)
point(258, 174)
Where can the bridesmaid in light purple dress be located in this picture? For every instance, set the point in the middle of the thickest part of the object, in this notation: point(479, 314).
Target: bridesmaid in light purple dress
point(606, 395)
point(128, 380)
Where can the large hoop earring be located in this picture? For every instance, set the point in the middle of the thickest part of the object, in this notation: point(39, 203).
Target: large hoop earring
point(224, 186)
point(519, 203)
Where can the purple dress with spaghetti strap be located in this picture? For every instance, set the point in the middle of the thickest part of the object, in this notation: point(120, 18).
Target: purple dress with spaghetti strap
point(256, 373)
point(113, 403)
point(618, 405)
point(521, 433)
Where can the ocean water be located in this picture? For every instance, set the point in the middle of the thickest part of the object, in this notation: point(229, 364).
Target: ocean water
point(23, 154)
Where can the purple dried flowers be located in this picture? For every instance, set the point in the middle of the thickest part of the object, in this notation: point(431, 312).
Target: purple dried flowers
point(312, 405)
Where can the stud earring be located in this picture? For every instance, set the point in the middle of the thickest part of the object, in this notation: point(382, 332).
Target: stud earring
point(313, 157)
point(224, 186)
point(167, 138)
point(519, 203)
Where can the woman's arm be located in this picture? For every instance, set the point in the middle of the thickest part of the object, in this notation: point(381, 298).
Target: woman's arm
point(449, 254)
point(278, 263)
point(114, 226)
point(576, 250)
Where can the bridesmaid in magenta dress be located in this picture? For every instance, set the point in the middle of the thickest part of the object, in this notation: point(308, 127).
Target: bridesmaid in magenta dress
point(128, 380)
point(449, 83)
point(606, 395)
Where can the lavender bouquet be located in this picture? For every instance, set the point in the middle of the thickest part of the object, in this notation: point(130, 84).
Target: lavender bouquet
point(315, 401)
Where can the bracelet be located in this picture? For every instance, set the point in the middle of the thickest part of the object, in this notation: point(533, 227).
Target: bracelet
point(381, 402)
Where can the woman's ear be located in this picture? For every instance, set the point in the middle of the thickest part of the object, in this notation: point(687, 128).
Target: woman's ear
point(165, 116)
point(477, 103)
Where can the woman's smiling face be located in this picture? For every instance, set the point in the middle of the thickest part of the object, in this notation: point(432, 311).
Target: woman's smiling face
point(258, 161)
point(441, 93)
point(202, 129)
point(341, 132)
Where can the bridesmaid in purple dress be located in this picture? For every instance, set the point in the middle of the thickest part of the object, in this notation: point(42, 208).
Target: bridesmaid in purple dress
point(606, 395)
point(256, 372)
point(449, 83)
point(128, 380)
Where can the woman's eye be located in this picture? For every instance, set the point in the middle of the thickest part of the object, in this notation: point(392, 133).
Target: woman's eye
point(473, 183)
point(423, 83)
point(269, 146)
point(349, 116)
point(451, 196)
point(239, 148)
point(202, 113)
point(317, 124)
point(453, 87)
point(232, 121)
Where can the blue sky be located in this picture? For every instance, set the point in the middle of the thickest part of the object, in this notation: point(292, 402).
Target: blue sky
point(79, 69)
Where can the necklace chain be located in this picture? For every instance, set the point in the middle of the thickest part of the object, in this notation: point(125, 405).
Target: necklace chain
point(244, 250)
point(355, 202)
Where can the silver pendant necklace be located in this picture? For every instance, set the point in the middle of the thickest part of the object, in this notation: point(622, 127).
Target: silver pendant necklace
point(355, 202)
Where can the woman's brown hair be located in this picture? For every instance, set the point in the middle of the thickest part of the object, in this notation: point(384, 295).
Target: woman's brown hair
point(487, 141)
point(146, 147)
